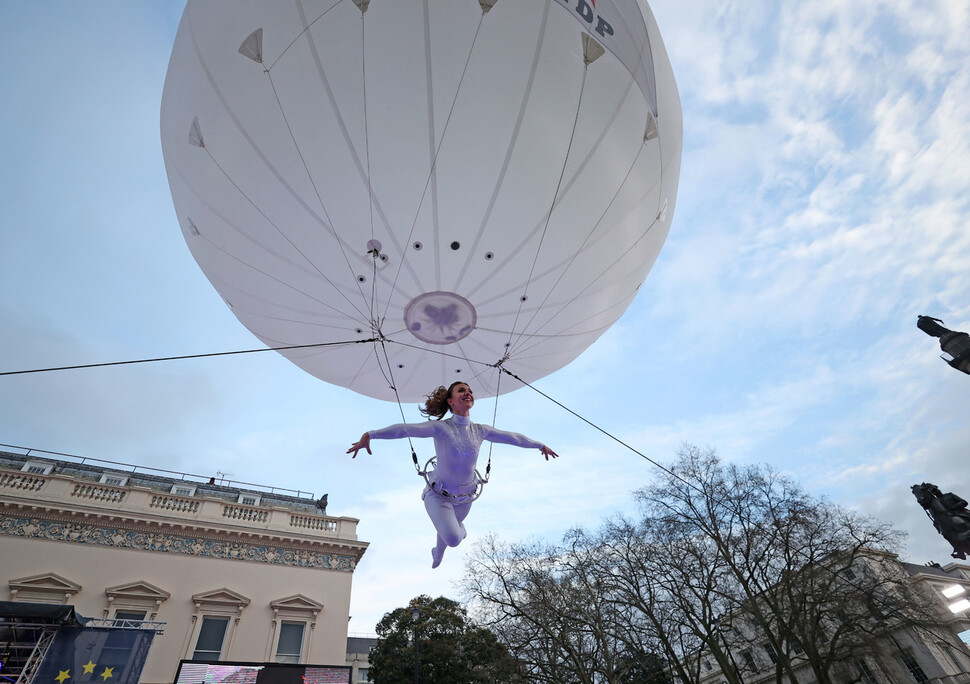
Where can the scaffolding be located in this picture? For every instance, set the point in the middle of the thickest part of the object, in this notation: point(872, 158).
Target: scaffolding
point(27, 631)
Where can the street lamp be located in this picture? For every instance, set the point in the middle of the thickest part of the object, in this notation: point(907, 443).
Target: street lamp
point(415, 616)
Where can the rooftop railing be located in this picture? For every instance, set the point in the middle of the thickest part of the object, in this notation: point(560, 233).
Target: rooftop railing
point(139, 501)
point(219, 479)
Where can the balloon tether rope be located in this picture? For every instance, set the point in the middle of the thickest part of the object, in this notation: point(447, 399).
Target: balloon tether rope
point(687, 483)
point(186, 356)
point(481, 481)
point(397, 397)
point(552, 206)
point(593, 425)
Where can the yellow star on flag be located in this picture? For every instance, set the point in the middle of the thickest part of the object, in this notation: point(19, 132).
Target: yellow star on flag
point(106, 675)
point(89, 668)
point(64, 674)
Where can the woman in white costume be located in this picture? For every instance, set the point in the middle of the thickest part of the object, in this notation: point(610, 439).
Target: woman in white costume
point(456, 442)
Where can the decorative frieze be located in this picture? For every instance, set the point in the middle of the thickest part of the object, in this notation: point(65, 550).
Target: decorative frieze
point(160, 542)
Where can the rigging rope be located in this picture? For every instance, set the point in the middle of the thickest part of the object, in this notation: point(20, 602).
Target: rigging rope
point(430, 181)
point(499, 366)
point(707, 496)
point(397, 398)
point(186, 356)
point(552, 207)
point(380, 340)
point(482, 481)
point(616, 439)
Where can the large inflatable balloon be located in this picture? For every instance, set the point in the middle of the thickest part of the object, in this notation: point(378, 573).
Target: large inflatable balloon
point(448, 186)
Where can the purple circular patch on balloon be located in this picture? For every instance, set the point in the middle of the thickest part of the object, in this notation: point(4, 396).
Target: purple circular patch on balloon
point(440, 317)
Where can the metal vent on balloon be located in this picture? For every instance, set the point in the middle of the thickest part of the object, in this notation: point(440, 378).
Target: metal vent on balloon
point(440, 317)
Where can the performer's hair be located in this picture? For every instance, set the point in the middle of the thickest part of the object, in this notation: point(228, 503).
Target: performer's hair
point(436, 404)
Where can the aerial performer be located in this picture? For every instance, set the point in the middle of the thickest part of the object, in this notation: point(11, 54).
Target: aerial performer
point(452, 485)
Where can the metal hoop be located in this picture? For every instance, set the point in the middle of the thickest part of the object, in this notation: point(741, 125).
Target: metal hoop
point(455, 498)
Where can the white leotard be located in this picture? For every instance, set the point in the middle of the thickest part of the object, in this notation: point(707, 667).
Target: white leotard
point(457, 441)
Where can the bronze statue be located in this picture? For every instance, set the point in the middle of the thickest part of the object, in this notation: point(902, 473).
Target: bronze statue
point(955, 345)
point(949, 515)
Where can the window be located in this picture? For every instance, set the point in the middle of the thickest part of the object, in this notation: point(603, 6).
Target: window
point(796, 647)
point(953, 590)
point(183, 489)
point(959, 606)
point(914, 668)
point(217, 614)
point(114, 479)
point(46, 588)
point(865, 674)
point(37, 468)
point(362, 675)
point(707, 665)
point(749, 663)
point(953, 657)
point(293, 614)
point(290, 646)
point(138, 600)
point(770, 650)
point(136, 615)
point(249, 499)
point(116, 652)
point(211, 635)
point(848, 574)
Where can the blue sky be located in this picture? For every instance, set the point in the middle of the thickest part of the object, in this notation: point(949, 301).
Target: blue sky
point(823, 205)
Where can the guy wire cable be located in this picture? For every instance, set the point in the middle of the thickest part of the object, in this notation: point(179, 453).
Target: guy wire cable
point(186, 356)
point(690, 485)
point(397, 398)
point(499, 366)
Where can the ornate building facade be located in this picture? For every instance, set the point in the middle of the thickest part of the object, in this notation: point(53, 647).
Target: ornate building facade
point(897, 652)
point(236, 572)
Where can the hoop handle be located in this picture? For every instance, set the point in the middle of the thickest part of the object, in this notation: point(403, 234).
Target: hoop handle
point(456, 498)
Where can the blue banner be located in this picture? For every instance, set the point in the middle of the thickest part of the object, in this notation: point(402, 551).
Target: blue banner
point(90, 654)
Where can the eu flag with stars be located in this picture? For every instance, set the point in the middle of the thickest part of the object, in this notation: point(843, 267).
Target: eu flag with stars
point(79, 655)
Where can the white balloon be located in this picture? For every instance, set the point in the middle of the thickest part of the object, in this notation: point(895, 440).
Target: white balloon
point(470, 183)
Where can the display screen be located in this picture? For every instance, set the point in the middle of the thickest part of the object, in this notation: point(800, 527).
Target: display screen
point(195, 672)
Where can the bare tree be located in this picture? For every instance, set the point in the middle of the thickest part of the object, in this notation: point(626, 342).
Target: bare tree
point(671, 590)
point(728, 567)
point(552, 611)
point(802, 577)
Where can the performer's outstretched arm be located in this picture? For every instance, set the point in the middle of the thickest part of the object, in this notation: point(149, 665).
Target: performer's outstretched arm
point(516, 439)
point(398, 431)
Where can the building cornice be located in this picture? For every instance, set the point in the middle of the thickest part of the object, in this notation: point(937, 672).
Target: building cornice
point(71, 492)
point(193, 538)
